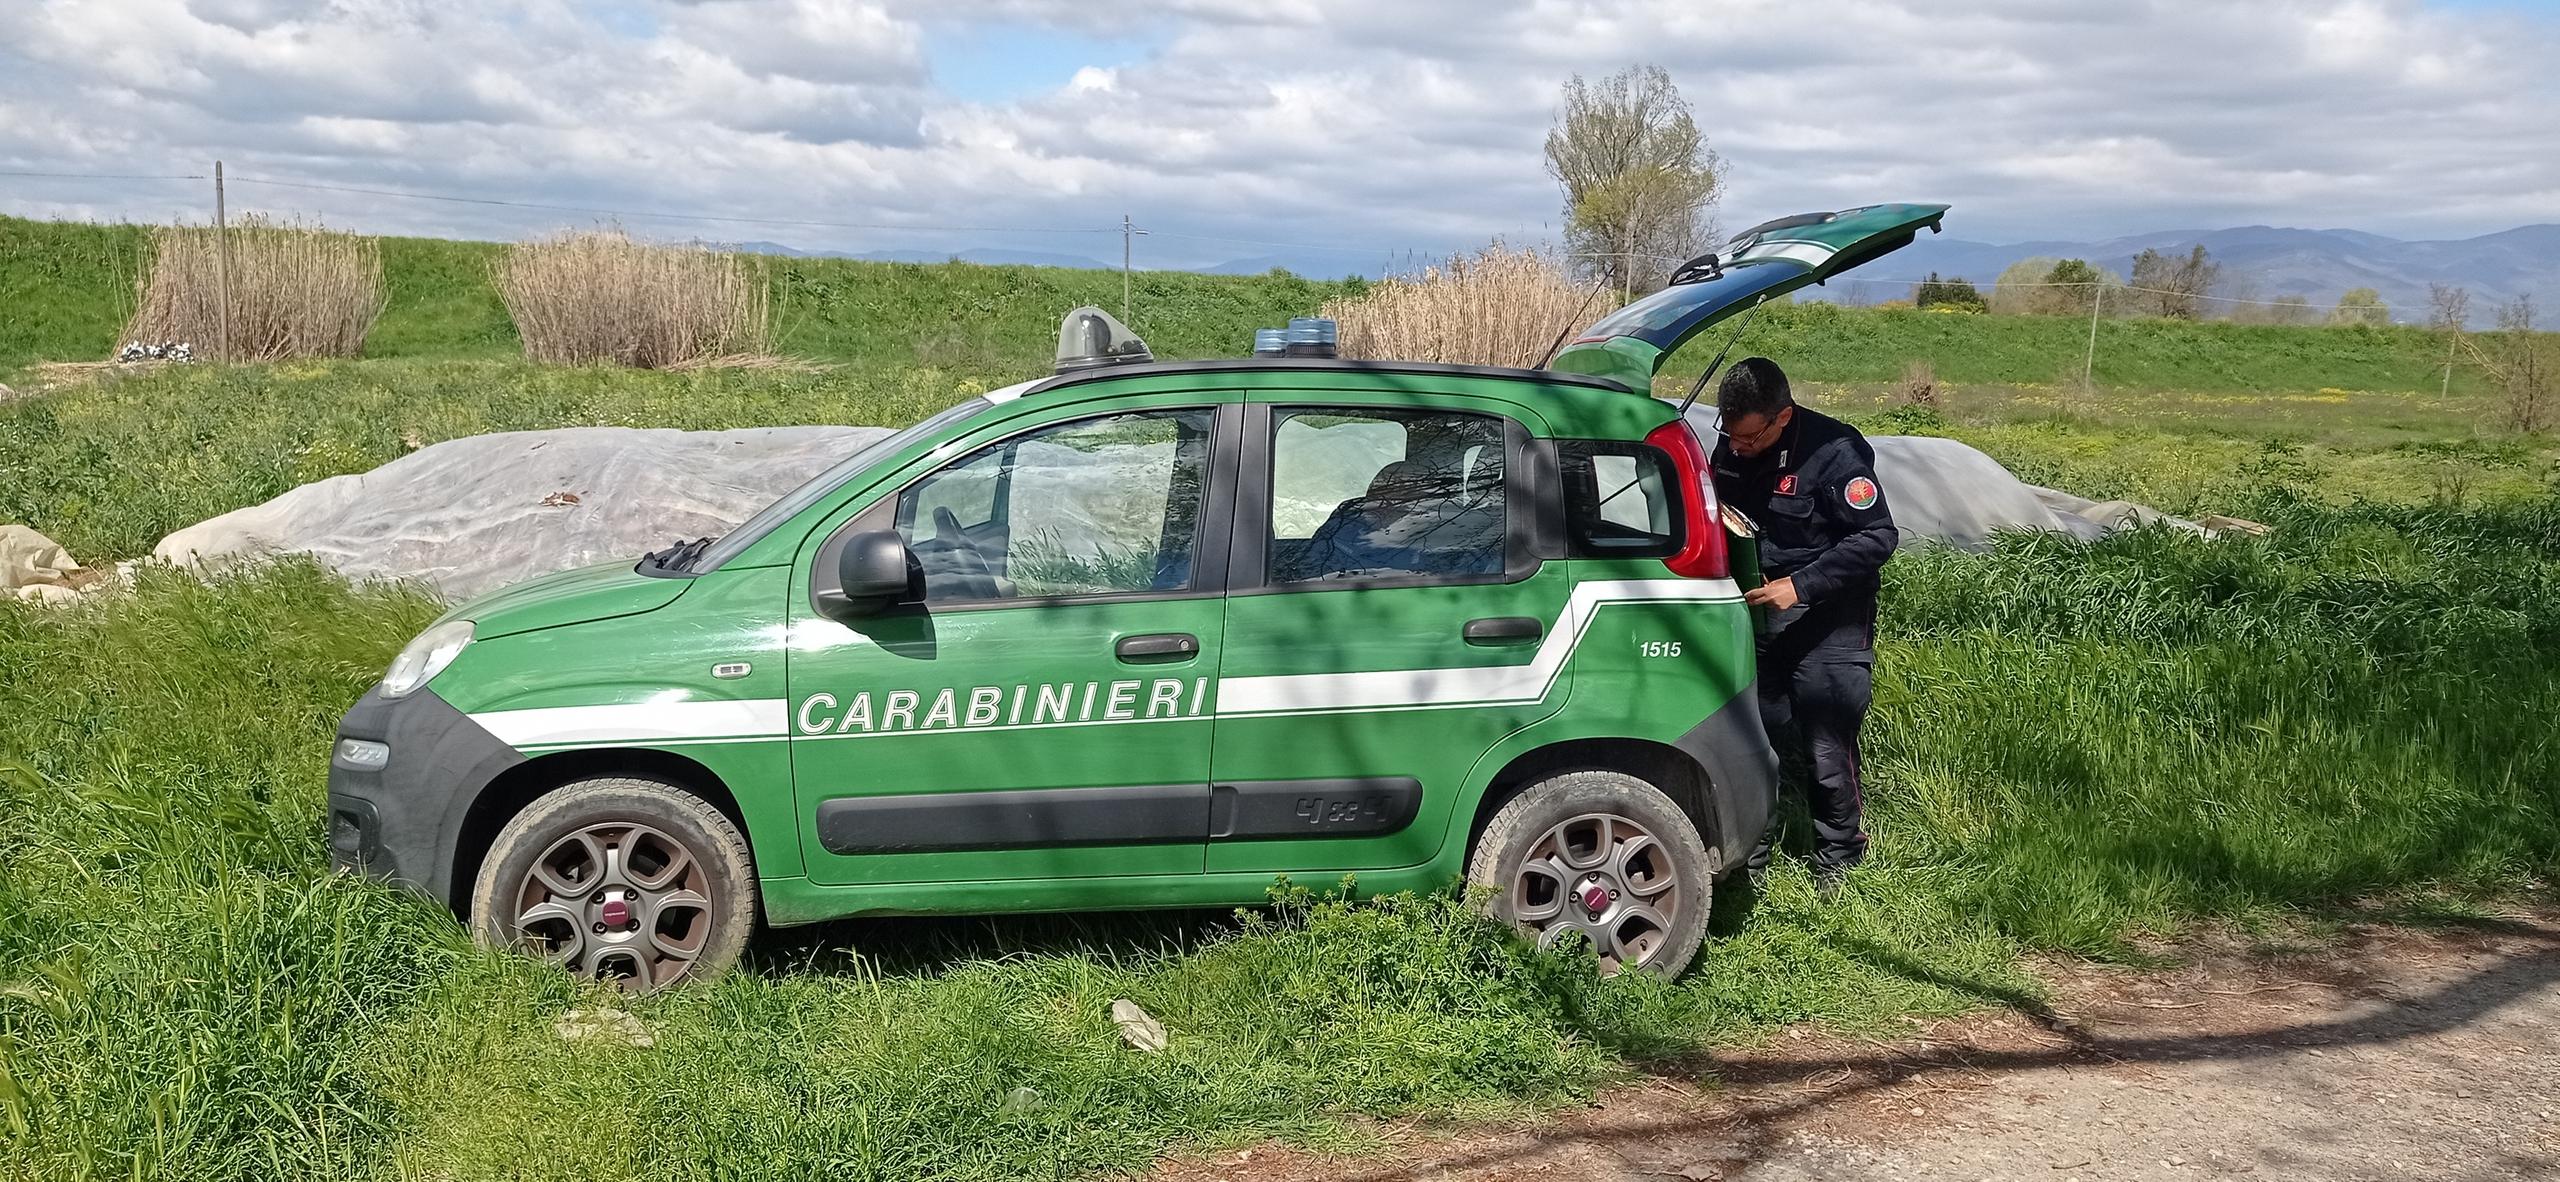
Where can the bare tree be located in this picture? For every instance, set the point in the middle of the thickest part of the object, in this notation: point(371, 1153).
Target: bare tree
point(2239, 303)
point(2174, 287)
point(1640, 183)
point(2518, 361)
point(2292, 309)
point(2448, 312)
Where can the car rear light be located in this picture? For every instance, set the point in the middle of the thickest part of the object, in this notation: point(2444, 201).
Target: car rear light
point(1702, 552)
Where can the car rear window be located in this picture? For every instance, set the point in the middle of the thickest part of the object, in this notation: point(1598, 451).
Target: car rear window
point(1621, 500)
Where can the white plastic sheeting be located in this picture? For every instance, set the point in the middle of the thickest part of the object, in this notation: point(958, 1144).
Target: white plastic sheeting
point(471, 515)
point(1947, 492)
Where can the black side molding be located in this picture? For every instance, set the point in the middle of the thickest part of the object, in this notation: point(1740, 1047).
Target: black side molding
point(1051, 818)
point(940, 822)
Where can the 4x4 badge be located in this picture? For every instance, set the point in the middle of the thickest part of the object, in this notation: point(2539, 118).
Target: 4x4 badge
point(731, 670)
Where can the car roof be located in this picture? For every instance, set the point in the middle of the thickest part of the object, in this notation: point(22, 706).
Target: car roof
point(1229, 365)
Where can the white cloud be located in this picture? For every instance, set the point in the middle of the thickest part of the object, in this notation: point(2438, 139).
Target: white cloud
point(1408, 125)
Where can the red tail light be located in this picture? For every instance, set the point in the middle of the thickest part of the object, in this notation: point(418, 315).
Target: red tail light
point(1702, 552)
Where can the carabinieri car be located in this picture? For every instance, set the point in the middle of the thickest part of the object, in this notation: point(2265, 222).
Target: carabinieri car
point(1139, 634)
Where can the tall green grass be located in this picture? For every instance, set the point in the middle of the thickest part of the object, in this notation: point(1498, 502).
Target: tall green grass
point(185, 991)
point(2073, 743)
point(2123, 734)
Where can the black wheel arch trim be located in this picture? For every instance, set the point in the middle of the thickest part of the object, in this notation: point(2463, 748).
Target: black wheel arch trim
point(1722, 769)
point(415, 804)
point(1731, 748)
point(417, 822)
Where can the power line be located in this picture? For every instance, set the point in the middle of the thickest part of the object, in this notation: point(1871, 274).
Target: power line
point(1286, 245)
point(112, 176)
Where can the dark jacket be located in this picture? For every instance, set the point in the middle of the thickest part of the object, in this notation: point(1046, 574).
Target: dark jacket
point(1823, 522)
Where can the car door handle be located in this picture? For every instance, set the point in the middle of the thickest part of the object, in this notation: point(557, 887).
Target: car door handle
point(1504, 630)
point(1158, 646)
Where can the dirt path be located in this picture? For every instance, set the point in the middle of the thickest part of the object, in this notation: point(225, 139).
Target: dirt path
point(2396, 1054)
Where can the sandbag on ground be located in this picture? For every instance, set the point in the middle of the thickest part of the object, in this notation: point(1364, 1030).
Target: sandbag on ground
point(471, 515)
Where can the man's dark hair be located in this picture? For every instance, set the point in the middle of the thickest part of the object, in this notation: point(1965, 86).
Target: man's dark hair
point(1754, 386)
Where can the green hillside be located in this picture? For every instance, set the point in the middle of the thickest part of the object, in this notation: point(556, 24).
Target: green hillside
point(68, 286)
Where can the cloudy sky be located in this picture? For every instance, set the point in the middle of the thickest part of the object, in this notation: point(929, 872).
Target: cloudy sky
point(1247, 127)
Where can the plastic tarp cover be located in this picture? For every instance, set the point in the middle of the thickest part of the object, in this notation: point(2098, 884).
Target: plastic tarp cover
point(1947, 492)
point(472, 515)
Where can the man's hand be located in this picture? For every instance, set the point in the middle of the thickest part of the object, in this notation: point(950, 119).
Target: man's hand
point(1776, 595)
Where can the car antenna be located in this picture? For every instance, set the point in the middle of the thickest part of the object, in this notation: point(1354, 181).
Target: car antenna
point(1567, 330)
point(1718, 363)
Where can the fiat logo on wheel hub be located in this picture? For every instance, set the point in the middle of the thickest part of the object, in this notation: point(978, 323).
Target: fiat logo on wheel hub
point(1595, 898)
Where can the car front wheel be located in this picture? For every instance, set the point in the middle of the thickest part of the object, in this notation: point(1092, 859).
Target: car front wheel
point(1602, 855)
point(626, 880)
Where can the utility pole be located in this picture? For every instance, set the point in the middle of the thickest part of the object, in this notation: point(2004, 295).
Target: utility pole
point(2089, 364)
point(1128, 233)
point(221, 270)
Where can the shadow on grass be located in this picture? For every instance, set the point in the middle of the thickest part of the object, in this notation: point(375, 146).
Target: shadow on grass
point(1798, 1085)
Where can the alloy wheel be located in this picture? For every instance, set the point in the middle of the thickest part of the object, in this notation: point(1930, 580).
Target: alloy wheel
point(1606, 877)
point(618, 901)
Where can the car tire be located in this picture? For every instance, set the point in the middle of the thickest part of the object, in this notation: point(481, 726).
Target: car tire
point(630, 880)
point(1586, 837)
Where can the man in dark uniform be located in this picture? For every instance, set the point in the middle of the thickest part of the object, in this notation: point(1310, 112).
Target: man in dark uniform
point(1809, 482)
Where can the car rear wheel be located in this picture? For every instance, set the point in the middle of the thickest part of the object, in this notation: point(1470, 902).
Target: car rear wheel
point(1602, 855)
point(631, 881)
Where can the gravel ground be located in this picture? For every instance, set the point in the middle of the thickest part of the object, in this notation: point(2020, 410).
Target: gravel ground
point(2389, 1053)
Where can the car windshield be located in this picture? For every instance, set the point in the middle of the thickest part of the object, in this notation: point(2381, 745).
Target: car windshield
point(817, 487)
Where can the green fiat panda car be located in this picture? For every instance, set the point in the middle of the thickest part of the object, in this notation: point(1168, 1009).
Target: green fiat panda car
point(1139, 634)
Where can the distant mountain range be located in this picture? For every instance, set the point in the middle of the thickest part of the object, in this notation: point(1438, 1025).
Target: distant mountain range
point(2258, 262)
point(2265, 262)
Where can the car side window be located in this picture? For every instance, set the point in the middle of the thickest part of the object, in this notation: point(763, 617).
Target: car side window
point(1359, 494)
point(1620, 500)
point(1100, 506)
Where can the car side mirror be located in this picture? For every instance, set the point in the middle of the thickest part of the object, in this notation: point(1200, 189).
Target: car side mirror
point(874, 572)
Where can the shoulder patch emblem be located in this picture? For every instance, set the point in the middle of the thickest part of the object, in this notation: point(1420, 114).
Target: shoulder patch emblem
point(1787, 485)
point(1860, 493)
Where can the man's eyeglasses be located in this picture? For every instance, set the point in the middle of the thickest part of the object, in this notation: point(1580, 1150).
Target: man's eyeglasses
point(1754, 438)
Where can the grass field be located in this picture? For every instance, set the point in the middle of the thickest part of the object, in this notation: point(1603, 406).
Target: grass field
point(2184, 416)
point(2073, 746)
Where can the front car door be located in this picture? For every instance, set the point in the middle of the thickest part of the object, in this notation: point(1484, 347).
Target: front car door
point(1044, 712)
point(1389, 620)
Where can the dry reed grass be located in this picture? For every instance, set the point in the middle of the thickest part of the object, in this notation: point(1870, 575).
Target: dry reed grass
point(1920, 384)
point(1498, 306)
point(579, 298)
point(295, 291)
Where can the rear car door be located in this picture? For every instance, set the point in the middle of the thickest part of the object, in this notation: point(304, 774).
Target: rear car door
point(1045, 712)
point(1389, 620)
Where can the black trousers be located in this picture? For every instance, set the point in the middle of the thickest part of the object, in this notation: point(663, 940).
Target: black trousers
point(1814, 705)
